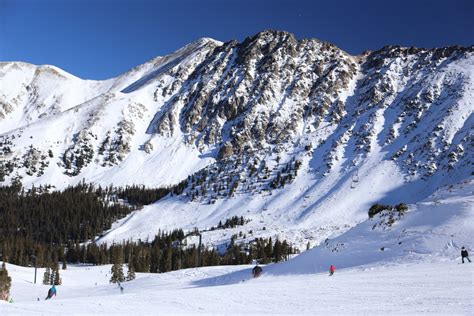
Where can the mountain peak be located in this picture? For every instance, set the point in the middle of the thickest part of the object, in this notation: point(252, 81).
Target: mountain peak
point(207, 40)
point(268, 36)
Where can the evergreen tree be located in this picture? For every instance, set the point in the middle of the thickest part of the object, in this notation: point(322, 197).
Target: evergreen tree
point(261, 255)
point(117, 268)
point(166, 260)
point(117, 273)
point(285, 250)
point(269, 249)
point(57, 278)
point(131, 271)
point(155, 258)
point(277, 251)
point(52, 276)
point(47, 276)
point(5, 283)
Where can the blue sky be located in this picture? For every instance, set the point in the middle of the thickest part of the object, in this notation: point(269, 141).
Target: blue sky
point(104, 38)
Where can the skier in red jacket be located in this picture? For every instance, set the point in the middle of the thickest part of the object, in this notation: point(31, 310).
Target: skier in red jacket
point(331, 270)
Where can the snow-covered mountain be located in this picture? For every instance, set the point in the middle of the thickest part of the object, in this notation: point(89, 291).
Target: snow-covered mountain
point(297, 136)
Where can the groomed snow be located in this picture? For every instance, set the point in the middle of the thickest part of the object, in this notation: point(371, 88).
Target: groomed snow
point(440, 288)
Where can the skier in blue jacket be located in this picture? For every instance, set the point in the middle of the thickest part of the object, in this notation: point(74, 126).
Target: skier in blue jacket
point(51, 292)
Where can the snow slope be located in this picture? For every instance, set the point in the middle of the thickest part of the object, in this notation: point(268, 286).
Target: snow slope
point(439, 288)
point(30, 93)
point(448, 211)
point(434, 228)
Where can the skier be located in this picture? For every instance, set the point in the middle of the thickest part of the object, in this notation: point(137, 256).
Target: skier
point(464, 254)
point(256, 271)
point(331, 270)
point(51, 292)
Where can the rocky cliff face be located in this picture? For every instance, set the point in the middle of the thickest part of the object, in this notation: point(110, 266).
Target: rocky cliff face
point(270, 98)
point(248, 95)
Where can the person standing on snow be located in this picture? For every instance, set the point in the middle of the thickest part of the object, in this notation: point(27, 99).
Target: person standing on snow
point(256, 271)
point(464, 254)
point(51, 292)
point(331, 270)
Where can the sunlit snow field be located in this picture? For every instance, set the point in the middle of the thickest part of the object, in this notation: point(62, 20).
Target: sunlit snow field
point(428, 287)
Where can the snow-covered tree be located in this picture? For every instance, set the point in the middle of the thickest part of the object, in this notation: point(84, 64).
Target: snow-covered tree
point(5, 283)
point(131, 271)
point(117, 273)
point(117, 268)
point(47, 276)
point(56, 278)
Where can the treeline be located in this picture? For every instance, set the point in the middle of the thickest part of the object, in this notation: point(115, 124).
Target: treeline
point(169, 251)
point(43, 222)
point(140, 195)
point(262, 250)
point(166, 252)
point(232, 222)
